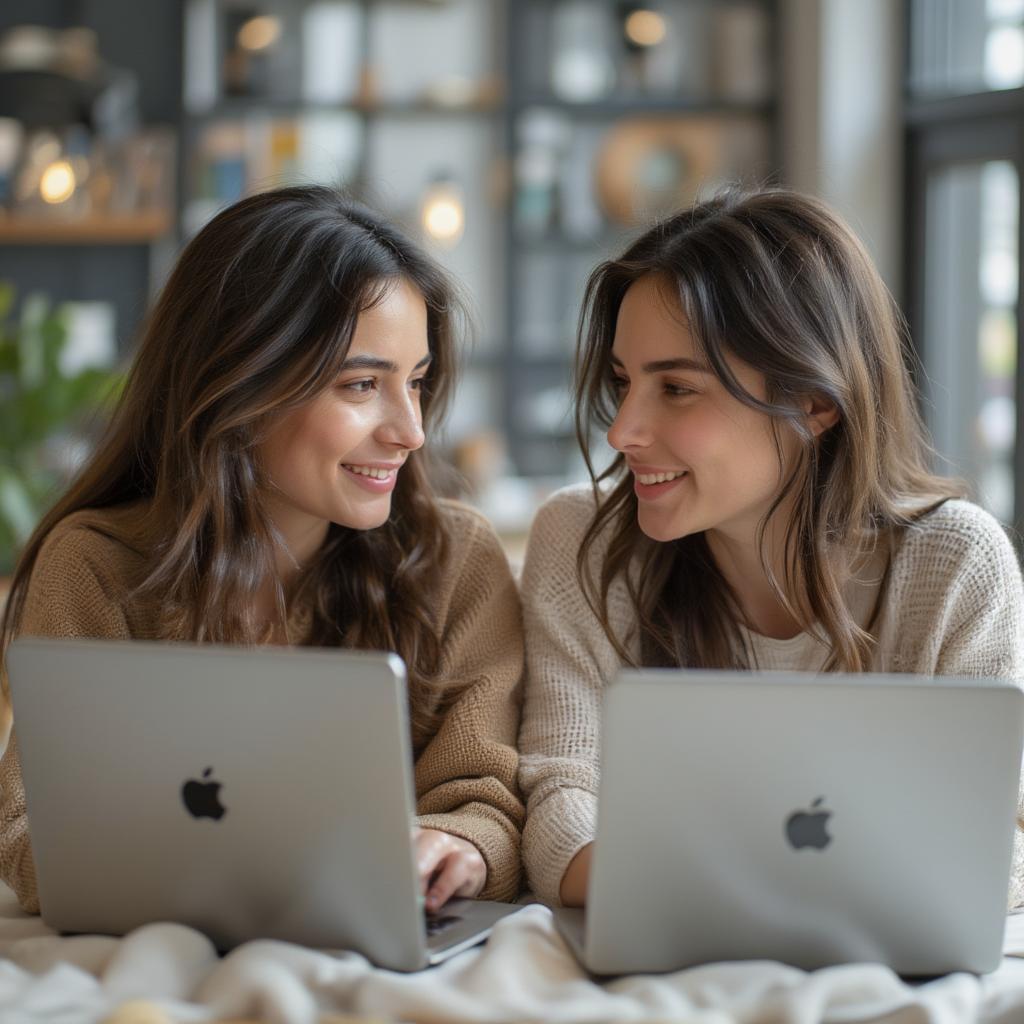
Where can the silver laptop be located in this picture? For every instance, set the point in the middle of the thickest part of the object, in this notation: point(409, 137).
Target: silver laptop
point(809, 819)
point(248, 793)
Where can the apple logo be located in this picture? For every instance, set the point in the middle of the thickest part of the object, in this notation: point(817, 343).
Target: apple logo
point(201, 799)
point(807, 828)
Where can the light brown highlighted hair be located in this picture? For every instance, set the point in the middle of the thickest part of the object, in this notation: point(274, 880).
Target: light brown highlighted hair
point(778, 281)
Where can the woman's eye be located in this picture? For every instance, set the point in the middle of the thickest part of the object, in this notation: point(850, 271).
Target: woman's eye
point(360, 387)
point(417, 384)
point(619, 384)
point(678, 390)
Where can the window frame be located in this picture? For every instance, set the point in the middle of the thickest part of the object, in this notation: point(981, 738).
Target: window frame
point(947, 130)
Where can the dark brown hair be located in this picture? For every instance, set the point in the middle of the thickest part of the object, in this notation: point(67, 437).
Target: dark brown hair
point(778, 281)
point(257, 318)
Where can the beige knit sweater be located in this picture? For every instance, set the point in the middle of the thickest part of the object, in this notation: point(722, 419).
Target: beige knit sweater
point(465, 776)
point(954, 607)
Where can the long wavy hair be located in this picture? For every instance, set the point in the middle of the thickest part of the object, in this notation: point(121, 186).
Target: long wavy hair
point(256, 318)
point(778, 281)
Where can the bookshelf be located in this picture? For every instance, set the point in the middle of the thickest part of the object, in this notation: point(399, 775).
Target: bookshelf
point(560, 126)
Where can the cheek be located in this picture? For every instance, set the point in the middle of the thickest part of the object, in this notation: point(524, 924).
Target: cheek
point(328, 434)
point(734, 444)
point(699, 435)
point(759, 462)
point(333, 432)
point(295, 442)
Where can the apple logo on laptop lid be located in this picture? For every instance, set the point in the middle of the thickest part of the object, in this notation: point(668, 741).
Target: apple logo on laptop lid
point(202, 799)
point(808, 827)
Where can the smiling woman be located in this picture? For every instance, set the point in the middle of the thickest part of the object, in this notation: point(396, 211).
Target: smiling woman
point(336, 459)
point(263, 481)
point(700, 458)
point(770, 505)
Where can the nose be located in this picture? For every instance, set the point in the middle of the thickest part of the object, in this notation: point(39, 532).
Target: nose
point(629, 430)
point(403, 425)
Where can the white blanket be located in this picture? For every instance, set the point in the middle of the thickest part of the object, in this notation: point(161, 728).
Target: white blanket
point(524, 973)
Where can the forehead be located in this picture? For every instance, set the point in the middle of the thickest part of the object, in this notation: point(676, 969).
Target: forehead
point(398, 317)
point(650, 320)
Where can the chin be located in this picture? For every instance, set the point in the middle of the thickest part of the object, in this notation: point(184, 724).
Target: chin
point(661, 530)
point(368, 519)
point(368, 522)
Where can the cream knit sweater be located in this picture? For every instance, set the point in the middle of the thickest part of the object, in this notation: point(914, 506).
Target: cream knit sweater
point(954, 607)
point(465, 775)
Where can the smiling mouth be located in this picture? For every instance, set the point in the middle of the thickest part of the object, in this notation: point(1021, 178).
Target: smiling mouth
point(647, 479)
point(372, 472)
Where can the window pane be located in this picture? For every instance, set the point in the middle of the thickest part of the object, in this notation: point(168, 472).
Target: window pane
point(958, 47)
point(970, 343)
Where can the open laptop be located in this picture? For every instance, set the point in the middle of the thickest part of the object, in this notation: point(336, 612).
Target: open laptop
point(813, 820)
point(248, 793)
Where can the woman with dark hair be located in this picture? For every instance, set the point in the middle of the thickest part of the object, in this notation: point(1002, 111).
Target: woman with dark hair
point(261, 481)
point(770, 505)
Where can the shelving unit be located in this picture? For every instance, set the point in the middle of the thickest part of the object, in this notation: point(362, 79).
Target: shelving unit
point(556, 259)
point(117, 260)
point(372, 122)
point(383, 129)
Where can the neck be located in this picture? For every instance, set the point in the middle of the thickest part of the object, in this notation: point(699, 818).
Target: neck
point(739, 561)
point(296, 551)
point(300, 538)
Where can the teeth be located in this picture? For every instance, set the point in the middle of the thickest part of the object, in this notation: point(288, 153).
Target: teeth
point(658, 478)
point(377, 474)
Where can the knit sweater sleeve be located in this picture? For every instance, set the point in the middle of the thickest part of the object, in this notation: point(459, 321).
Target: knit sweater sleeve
point(569, 662)
point(70, 594)
point(466, 781)
point(956, 608)
point(984, 634)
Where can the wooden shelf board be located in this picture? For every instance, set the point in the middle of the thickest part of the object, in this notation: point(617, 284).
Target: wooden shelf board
point(140, 228)
point(235, 108)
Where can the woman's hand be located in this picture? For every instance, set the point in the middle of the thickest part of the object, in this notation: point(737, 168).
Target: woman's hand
point(573, 890)
point(448, 866)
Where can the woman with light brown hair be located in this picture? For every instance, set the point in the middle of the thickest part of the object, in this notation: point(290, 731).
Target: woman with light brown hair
point(770, 505)
point(261, 481)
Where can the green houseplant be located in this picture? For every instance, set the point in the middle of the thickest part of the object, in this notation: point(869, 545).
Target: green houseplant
point(43, 410)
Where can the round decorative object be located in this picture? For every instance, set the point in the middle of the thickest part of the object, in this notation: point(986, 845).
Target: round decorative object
point(647, 167)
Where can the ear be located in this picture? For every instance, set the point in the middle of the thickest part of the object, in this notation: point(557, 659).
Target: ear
point(822, 414)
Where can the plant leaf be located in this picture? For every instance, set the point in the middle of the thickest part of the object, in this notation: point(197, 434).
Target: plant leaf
point(17, 508)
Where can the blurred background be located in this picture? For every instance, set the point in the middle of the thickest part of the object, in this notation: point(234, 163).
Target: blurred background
point(521, 141)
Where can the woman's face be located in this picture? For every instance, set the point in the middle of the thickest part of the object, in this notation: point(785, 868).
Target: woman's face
point(701, 459)
point(336, 459)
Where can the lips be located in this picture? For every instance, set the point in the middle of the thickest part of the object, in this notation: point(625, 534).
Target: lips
point(658, 478)
point(377, 479)
point(645, 472)
point(373, 472)
point(650, 482)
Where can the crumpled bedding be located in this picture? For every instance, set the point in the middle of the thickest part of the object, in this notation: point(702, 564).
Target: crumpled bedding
point(166, 972)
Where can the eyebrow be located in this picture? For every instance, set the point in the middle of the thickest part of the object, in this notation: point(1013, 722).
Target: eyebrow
point(385, 365)
point(661, 365)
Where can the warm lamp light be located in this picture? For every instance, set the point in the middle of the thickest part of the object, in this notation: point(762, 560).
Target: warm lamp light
point(443, 216)
point(258, 33)
point(645, 28)
point(57, 183)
